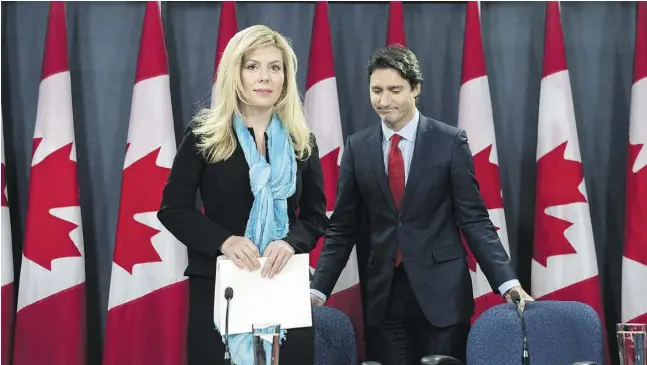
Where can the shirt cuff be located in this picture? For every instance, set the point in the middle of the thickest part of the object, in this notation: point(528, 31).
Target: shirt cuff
point(319, 294)
point(508, 285)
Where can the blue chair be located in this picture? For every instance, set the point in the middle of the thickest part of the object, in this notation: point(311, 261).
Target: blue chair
point(557, 332)
point(334, 337)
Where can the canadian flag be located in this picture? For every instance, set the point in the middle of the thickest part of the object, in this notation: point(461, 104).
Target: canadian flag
point(227, 28)
point(475, 116)
point(51, 311)
point(148, 305)
point(322, 113)
point(564, 265)
point(634, 262)
point(395, 25)
point(8, 300)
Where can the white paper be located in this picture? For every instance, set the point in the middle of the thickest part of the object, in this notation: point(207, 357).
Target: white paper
point(284, 299)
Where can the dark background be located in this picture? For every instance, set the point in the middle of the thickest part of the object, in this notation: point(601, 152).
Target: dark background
point(103, 45)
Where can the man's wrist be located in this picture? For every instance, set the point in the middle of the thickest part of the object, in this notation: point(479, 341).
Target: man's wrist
point(318, 294)
point(505, 287)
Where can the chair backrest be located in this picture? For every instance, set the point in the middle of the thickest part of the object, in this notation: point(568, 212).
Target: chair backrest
point(334, 337)
point(559, 333)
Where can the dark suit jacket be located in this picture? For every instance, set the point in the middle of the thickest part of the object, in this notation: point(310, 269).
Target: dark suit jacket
point(227, 200)
point(441, 199)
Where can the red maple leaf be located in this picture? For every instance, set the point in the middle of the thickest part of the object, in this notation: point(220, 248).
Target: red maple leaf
point(5, 202)
point(558, 181)
point(330, 175)
point(636, 235)
point(487, 175)
point(52, 184)
point(330, 171)
point(141, 192)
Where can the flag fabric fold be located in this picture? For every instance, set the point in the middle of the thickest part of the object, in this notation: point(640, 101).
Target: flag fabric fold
point(324, 119)
point(7, 291)
point(564, 264)
point(475, 117)
point(148, 303)
point(634, 262)
point(227, 28)
point(52, 274)
point(395, 33)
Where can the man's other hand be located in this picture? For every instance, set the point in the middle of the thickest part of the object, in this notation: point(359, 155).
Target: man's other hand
point(522, 294)
point(316, 301)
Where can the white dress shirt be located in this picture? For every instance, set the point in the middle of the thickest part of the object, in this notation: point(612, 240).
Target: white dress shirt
point(407, 144)
point(408, 141)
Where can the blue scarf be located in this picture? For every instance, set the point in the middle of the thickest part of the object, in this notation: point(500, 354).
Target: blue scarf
point(268, 220)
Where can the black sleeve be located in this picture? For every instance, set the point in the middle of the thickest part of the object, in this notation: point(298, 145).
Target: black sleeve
point(473, 218)
point(312, 221)
point(178, 211)
point(341, 235)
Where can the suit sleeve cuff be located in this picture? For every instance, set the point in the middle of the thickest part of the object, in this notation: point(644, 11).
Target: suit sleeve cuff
point(508, 285)
point(319, 294)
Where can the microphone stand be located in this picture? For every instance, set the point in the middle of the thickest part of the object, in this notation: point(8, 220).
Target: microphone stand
point(229, 293)
point(525, 357)
point(227, 355)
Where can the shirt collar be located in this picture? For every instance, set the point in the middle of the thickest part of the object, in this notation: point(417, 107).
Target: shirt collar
point(408, 132)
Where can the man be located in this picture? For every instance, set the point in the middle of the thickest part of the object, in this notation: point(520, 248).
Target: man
point(412, 178)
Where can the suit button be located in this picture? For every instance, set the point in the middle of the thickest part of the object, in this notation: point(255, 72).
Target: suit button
point(399, 224)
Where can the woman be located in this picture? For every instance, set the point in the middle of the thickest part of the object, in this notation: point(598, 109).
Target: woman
point(254, 161)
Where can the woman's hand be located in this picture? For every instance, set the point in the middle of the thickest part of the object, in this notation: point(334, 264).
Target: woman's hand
point(278, 254)
point(242, 251)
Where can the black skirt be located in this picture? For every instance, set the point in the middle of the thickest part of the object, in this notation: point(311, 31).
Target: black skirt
point(205, 345)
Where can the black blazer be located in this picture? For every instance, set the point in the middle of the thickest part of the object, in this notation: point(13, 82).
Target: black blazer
point(227, 200)
point(441, 199)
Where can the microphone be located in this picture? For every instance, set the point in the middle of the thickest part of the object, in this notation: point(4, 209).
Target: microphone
point(516, 298)
point(229, 293)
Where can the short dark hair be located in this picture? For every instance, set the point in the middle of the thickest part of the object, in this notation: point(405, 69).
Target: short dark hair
point(399, 58)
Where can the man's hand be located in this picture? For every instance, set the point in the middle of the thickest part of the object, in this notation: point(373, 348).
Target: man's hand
point(278, 254)
point(522, 294)
point(315, 301)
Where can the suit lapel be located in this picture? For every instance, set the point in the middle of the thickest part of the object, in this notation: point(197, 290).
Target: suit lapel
point(376, 158)
point(420, 153)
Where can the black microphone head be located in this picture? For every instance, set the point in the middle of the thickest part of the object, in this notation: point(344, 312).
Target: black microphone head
point(514, 295)
point(229, 293)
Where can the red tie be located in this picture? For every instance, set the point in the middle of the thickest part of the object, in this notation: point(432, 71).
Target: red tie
point(396, 180)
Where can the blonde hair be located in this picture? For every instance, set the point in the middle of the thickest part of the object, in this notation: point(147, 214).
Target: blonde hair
point(213, 126)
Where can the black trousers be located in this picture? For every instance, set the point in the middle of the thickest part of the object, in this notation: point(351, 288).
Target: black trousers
point(205, 346)
point(405, 335)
